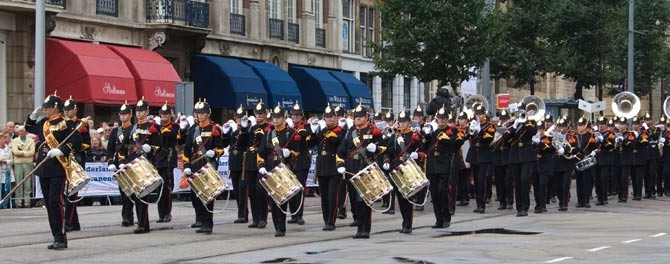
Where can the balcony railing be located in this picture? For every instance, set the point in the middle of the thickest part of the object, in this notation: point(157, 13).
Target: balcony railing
point(237, 24)
point(181, 12)
point(107, 7)
point(60, 3)
point(320, 37)
point(294, 32)
point(276, 28)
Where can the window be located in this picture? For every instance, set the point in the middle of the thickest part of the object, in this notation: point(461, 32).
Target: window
point(236, 7)
point(273, 8)
point(107, 7)
point(318, 13)
point(406, 93)
point(367, 29)
point(387, 93)
point(347, 25)
point(290, 11)
point(367, 80)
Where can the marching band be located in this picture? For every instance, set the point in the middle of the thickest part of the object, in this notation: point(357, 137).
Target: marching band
point(357, 159)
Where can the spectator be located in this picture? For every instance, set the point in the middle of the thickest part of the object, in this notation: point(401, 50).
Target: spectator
point(91, 123)
point(23, 149)
point(97, 151)
point(9, 129)
point(106, 133)
point(6, 174)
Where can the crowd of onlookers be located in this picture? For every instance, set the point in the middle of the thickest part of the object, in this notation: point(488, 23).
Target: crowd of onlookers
point(17, 155)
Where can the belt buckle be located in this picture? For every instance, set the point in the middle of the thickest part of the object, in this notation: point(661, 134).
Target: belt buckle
point(477, 144)
point(235, 152)
point(635, 151)
point(356, 156)
point(520, 144)
point(324, 153)
point(436, 153)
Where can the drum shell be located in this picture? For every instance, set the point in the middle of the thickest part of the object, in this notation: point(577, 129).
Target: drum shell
point(78, 178)
point(371, 184)
point(207, 184)
point(281, 184)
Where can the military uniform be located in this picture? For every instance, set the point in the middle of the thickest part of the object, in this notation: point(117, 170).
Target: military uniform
point(203, 138)
point(636, 150)
point(170, 136)
point(587, 145)
point(327, 139)
point(359, 147)
point(237, 140)
point(504, 180)
point(258, 197)
point(546, 153)
point(653, 159)
point(299, 161)
point(523, 158)
point(564, 164)
point(119, 149)
point(71, 215)
point(419, 118)
point(481, 156)
point(54, 151)
point(665, 158)
point(606, 160)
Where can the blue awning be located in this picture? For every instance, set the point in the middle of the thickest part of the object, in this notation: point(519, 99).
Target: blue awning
point(281, 88)
point(226, 82)
point(357, 90)
point(318, 87)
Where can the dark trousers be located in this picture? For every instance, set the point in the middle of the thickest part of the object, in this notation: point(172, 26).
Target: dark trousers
point(614, 179)
point(553, 186)
point(464, 184)
point(650, 178)
point(329, 191)
point(636, 176)
point(258, 198)
point(71, 215)
point(405, 209)
point(453, 191)
point(504, 185)
point(666, 176)
point(522, 173)
point(482, 173)
point(299, 198)
point(279, 217)
point(602, 183)
point(349, 191)
point(540, 189)
point(126, 207)
point(439, 189)
point(363, 214)
point(142, 211)
point(165, 202)
point(241, 194)
point(202, 212)
point(52, 189)
point(563, 190)
point(584, 185)
point(624, 182)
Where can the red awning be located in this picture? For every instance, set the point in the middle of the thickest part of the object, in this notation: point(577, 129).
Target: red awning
point(90, 73)
point(155, 77)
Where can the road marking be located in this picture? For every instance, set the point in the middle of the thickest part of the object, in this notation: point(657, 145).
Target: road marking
point(659, 235)
point(558, 259)
point(597, 249)
point(630, 241)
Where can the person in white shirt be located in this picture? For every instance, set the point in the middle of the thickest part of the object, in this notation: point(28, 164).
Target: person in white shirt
point(23, 150)
point(6, 175)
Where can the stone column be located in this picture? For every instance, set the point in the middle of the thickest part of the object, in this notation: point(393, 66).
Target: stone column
point(377, 92)
point(398, 92)
point(334, 29)
point(413, 93)
point(219, 17)
point(307, 26)
point(256, 17)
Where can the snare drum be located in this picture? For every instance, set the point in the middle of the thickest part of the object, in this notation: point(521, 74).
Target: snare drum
point(409, 178)
point(371, 184)
point(281, 184)
point(586, 163)
point(125, 181)
point(139, 177)
point(78, 178)
point(207, 184)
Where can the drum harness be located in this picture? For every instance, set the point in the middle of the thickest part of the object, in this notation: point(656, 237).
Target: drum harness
point(278, 149)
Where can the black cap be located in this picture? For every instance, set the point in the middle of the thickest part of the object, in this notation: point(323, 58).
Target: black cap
point(562, 122)
point(52, 101)
point(452, 117)
point(69, 104)
point(278, 111)
point(601, 120)
point(125, 109)
point(389, 116)
point(442, 113)
point(260, 108)
point(539, 124)
point(360, 111)
point(377, 116)
point(142, 105)
point(463, 115)
point(623, 120)
point(636, 120)
point(239, 112)
point(403, 116)
point(202, 107)
point(583, 121)
point(548, 118)
point(647, 117)
point(661, 121)
point(611, 122)
point(418, 111)
point(339, 110)
point(296, 109)
point(329, 111)
point(166, 109)
point(504, 116)
point(480, 110)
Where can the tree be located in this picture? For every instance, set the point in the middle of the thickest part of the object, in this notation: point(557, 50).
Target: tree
point(651, 48)
point(432, 39)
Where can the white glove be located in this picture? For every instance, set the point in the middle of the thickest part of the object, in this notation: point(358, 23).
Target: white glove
point(561, 151)
point(225, 128)
point(210, 153)
point(662, 140)
point(322, 124)
point(636, 133)
point(54, 153)
point(645, 126)
point(188, 171)
point(262, 171)
point(314, 127)
point(427, 130)
point(599, 137)
point(371, 147)
point(245, 122)
point(342, 123)
point(157, 120)
point(475, 127)
point(183, 123)
point(252, 120)
point(122, 166)
point(414, 155)
point(618, 139)
point(386, 166)
point(593, 153)
point(285, 152)
point(289, 122)
point(36, 113)
point(190, 120)
point(111, 167)
point(536, 139)
point(350, 122)
point(146, 148)
point(341, 170)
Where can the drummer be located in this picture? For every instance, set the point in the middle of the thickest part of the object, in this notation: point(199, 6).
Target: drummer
point(236, 137)
point(358, 149)
point(275, 150)
point(404, 145)
point(70, 113)
point(205, 139)
point(258, 198)
point(118, 151)
point(171, 135)
point(146, 139)
point(300, 159)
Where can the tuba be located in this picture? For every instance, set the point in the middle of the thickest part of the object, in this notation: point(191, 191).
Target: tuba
point(534, 109)
point(473, 101)
point(666, 107)
point(627, 104)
